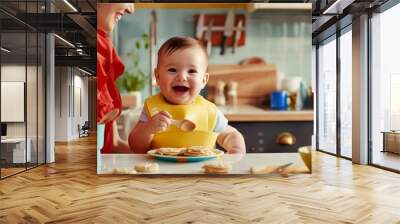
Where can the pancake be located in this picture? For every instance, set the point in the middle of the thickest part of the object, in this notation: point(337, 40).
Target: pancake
point(170, 151)
point(147, 167)
point(198, 151)
point(216, 168)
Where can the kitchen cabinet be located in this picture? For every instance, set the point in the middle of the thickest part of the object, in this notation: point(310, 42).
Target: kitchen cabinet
point(261, 127)
point(266, 137)
point(391, 141)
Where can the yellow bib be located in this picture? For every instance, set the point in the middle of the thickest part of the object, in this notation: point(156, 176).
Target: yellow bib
point(201, 112)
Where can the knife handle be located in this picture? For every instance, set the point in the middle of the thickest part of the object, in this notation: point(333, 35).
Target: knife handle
point(234, 44)
point(223, 44)
point(208, 47)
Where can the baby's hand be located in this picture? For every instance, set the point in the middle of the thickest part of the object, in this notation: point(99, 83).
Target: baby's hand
point(235, 155)
point(160, 121)
point(236, 151)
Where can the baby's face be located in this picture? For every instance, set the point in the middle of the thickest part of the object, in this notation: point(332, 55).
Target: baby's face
point(182, 74)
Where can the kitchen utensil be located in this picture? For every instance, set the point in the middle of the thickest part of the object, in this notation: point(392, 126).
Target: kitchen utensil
point(184, 159)
point(285, 165)
point(199, 28)
point(269, 169)
point(279, 100)
point(232, 93)
point(111, 115)
point(291, 84)
point(236, 37)
point(302, 95)
point(184, 125)
point(209, 36)
point(219, 96)
point(306, 156)
point(228, 29)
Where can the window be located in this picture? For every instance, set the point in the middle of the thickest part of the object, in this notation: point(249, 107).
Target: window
point(327, 96)
point(346, 92)
point(385, 88)
point(22, 75)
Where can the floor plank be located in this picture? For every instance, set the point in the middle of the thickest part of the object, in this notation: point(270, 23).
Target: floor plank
point(70, 191)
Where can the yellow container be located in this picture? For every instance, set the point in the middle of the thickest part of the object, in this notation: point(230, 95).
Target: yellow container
point(178, 139)
point(306, 156)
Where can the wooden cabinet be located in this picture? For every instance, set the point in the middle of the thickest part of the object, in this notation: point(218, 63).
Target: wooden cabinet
point(263, 136)
point(391, 141)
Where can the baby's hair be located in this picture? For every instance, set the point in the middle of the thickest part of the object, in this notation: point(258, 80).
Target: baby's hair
point(178, 43)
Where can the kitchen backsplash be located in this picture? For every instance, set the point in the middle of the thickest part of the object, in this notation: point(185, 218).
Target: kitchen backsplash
point(279, 38)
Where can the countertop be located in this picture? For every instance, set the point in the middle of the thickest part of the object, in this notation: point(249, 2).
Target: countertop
point(110, 161)
point(254, 113)
point(247, 113)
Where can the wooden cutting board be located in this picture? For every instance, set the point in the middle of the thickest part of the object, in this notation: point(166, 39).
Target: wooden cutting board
point(255, 82)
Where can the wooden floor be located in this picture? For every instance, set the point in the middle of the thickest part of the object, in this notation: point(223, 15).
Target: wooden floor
point(10, 171)
point(69, 191)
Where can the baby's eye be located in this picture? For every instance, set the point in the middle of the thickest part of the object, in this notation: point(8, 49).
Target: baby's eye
point(191, 71)
point(171, 70)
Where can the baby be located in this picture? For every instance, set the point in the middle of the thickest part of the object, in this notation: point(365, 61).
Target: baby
point(181, 73)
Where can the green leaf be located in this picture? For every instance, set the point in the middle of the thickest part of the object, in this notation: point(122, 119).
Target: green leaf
point(137, 45)
point(134, 79)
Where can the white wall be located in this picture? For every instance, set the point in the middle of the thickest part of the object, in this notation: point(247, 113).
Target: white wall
point(61, 103)
point(13, 73)
point(68, 83)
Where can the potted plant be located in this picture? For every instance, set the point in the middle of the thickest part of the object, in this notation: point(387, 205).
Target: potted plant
point(134, 79)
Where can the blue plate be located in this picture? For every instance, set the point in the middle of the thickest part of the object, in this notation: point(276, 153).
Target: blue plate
point(184, 159)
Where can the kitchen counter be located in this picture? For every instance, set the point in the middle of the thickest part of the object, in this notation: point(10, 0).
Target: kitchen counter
point(253, 113)
point(110, 161)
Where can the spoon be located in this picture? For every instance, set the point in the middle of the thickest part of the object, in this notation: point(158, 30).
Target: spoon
point(111, 115)
point(184, 125)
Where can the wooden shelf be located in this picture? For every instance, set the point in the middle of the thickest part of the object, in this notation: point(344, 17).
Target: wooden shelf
point(251, 7)
point(252, 113)
point(191, 5)
point(279, 6)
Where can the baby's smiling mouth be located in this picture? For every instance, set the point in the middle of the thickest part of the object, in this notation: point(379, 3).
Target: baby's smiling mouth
point(180, 89)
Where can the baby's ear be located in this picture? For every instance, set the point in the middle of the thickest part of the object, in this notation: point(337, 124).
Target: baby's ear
point(205, 79)
point(156, 75)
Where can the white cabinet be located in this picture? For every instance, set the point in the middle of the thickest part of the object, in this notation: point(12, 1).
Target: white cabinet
point(15, 148)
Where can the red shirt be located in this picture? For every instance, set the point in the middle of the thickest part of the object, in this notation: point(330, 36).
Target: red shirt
point(109, 68)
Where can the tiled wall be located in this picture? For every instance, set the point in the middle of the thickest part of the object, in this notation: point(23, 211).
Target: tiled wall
point(281, 38)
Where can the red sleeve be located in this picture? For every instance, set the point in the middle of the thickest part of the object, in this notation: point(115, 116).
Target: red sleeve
point(109, 68)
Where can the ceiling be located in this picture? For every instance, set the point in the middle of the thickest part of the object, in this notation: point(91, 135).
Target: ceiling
point(332, 15)
point(76, 25)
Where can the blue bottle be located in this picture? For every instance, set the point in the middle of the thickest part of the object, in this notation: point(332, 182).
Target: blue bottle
point(279, 100)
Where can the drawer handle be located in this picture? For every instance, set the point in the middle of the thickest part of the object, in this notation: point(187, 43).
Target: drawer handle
point(286, 138)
